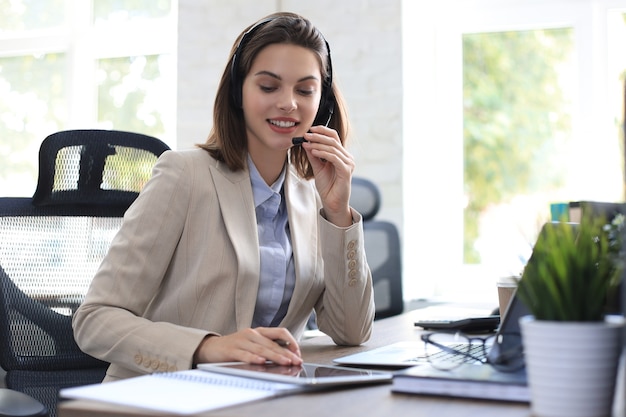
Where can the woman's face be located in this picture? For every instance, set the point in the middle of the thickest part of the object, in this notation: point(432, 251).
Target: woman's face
point(281, 95)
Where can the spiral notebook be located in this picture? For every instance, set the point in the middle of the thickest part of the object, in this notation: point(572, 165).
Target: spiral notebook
point(183, 392)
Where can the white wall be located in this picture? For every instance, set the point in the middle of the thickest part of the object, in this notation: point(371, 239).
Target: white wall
point(366, 45)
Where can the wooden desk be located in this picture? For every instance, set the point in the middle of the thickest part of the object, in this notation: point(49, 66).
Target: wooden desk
point(375, 401)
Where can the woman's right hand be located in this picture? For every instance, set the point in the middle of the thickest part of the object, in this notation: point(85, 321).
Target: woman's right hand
point(251, 346)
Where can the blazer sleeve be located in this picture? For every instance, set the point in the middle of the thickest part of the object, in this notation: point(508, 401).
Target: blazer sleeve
point(346, 311)
point(108, 324)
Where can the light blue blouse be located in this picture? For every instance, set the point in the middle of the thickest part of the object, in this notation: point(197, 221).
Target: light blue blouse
point(277, 275)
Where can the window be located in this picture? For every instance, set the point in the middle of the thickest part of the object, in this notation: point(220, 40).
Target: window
point(509, 106)
point(517, 139)
point(71, 64)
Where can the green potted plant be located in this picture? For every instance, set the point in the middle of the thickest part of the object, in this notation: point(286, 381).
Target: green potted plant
point(571, 344)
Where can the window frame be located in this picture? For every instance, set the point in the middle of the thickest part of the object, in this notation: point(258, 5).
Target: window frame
point(83, 43)
point(433, 167)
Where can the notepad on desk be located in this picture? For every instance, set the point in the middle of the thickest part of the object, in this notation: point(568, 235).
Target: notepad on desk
point(468, 381)
point(183, 392)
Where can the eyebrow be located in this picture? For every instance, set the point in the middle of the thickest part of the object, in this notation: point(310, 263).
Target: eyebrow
point(278, 77)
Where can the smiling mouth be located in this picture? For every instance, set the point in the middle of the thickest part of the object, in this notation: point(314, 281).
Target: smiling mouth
point(281, 123)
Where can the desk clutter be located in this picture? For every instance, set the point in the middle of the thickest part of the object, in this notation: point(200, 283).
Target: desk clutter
point(365, 401)
point(209, 388)
point(215, 386)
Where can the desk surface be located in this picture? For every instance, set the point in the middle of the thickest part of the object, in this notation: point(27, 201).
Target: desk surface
point(363, 401)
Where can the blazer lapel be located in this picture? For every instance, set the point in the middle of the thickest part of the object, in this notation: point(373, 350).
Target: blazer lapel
point(302, 210)
point(234, 192)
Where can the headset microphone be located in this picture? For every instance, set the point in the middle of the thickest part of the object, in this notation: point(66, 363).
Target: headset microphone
point(299, 140)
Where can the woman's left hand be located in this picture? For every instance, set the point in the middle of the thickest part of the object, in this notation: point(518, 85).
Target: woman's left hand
point(332, 166)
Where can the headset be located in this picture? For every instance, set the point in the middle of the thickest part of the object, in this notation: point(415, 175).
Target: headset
point(327, 101)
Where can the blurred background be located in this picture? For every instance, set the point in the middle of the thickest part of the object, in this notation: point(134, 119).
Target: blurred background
point(471, 116)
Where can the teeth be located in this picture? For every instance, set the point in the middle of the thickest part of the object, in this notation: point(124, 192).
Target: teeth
point(282, 124)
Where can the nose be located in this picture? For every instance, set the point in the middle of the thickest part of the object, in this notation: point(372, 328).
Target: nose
point(287, 102)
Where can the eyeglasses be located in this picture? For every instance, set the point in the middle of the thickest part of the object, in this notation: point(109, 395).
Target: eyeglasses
point(447, 351)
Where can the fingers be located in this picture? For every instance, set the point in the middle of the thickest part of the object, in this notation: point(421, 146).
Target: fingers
point(323, 143)
point(273, 344)
point(332, 167)
point(255, 346)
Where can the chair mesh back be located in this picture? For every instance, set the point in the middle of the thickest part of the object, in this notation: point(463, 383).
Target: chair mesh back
point(46, 264)
point(95, 167)
point(50, 255)
point(51, 247)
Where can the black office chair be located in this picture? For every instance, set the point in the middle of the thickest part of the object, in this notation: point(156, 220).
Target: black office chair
point(50, 248)
point(382, 247)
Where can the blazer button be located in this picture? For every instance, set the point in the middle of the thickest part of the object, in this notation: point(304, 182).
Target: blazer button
point(351, 244)
point(155, 365)
point(172, 368)
point(351, 254)
point(147, 362)
point(138, 359)
point(352, 282)
point(163, 367)
point(352, 273)
point(352, 264)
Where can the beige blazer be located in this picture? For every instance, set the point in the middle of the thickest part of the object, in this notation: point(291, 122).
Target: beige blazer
point(185, 264)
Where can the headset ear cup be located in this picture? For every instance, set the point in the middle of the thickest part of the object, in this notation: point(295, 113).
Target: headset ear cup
point(328, 100)
point(236, 93)
point(326, 108)
point(235, 82)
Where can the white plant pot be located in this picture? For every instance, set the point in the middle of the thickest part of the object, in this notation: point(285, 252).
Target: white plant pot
point(571, 366)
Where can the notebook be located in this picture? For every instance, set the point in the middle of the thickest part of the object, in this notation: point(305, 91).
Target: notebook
point(473, 379)
point(183, 392)
point(468, 381)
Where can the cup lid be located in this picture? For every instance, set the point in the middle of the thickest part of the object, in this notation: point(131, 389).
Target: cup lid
point(509, 280)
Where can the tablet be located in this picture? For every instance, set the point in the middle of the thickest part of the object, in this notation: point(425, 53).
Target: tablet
point(307, 374)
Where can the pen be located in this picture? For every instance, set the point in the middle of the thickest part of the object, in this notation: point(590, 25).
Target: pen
point(281, 342)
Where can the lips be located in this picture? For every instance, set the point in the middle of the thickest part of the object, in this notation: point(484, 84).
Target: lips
point(282, 123)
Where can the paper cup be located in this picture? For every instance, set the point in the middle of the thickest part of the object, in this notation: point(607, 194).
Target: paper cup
point(506, 287)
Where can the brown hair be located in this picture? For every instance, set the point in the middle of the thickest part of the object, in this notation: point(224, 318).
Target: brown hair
point(227, 141)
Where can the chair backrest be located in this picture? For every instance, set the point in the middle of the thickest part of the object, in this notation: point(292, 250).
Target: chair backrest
point(382, 247)
point(51, 246)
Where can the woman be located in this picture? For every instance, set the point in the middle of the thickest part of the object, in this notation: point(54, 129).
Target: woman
point(231, 246)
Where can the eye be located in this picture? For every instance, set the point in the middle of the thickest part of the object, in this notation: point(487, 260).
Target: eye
point(306, 89)
point(267, 88)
